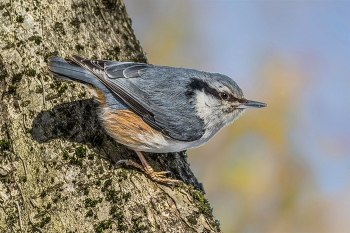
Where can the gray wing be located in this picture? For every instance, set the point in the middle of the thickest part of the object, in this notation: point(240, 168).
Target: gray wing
point(155, 93)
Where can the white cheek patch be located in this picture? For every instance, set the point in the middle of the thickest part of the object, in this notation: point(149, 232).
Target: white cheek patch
point(204, 101)
point(208, 109)
point(211, 110)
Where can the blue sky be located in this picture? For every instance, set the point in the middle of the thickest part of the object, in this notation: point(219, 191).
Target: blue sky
point(238, 37)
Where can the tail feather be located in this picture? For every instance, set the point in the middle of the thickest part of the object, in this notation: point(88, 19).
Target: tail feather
point(70, 70)
point(61, 69)
point(71, 62)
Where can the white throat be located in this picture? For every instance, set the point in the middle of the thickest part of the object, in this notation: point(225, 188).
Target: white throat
point(211, 110)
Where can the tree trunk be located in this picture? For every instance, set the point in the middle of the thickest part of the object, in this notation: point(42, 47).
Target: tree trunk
point(56, 162)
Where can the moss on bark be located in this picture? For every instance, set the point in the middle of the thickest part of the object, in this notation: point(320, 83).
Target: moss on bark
point(56, 162)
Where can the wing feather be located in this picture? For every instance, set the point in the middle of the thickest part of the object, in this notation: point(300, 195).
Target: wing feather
point(118, 76)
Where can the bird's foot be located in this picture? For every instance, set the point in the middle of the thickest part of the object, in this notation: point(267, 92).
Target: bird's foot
point(160, 176)
point(155, 176)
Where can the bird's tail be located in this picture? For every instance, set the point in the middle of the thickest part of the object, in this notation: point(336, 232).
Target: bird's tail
point(64, 69)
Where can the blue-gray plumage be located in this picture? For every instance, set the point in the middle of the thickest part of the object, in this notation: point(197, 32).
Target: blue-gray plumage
point(61, 69)
point(156, 108)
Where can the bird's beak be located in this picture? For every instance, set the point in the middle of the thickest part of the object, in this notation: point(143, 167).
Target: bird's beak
point(252, 104)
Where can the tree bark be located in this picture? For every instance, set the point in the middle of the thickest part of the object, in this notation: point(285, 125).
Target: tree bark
point(56, 161)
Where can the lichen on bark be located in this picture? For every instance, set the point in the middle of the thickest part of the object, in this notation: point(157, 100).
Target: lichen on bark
point(56, 162)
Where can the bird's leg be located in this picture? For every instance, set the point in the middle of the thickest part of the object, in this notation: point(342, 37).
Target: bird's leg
point(149, 170)
point(155, 176)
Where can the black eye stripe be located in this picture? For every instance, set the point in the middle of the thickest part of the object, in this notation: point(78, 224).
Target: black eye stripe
point(197, 84)
point(234, 99)
point(243, 100)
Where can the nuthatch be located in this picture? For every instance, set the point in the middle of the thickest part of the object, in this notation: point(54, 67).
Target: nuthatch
point(156, 109)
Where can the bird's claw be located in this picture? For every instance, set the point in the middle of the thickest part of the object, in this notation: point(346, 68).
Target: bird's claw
point(159, 176)
point(155, 176)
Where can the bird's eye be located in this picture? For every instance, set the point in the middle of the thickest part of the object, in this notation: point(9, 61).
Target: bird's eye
point(223, 95)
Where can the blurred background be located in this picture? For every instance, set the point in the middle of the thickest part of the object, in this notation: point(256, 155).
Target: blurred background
point(284, 168)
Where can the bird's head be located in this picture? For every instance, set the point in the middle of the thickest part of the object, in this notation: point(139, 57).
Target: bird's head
point(219, 100)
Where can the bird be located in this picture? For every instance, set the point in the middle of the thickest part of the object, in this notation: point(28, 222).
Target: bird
point(158, 109)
